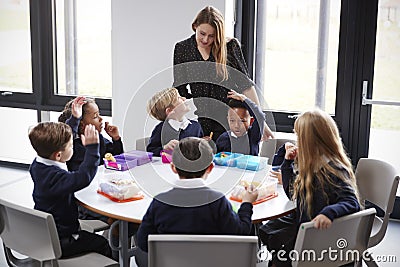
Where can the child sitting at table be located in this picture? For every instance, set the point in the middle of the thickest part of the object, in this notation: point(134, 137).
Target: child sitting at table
point(191, 207)
point(170, 108)
point(80, 112)
point(246, 122)
point(54, 185)
point(319, 176)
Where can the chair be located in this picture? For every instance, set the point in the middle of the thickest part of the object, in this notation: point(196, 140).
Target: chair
point(270, 146)
point(202, 250)
point(141, 143)
point(93, 226)
point(33, 233)
point(377, 184)
point(344, 242)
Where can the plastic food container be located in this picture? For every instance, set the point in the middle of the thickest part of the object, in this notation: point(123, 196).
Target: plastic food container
point(129, 160)
point(266, 190)
point(142, 157)
point(119, 187)
point(252, 163)
point(122, 163)
point(166, 156)
point(227, 158)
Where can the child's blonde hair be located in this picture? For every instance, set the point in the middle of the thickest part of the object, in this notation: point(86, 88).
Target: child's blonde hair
point(162, 100)
point(320, 157)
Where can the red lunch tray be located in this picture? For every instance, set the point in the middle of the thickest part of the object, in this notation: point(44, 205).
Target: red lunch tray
point(137, 197)
point(257, 201)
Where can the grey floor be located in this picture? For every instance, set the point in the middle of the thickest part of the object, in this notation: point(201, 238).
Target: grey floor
point(388, 250)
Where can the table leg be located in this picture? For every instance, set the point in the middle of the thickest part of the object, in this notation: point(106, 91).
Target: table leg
point(124, 245)
point(124, 258)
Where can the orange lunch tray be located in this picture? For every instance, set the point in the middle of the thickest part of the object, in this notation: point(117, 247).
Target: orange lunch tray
point(136, 197)
point(257, 201)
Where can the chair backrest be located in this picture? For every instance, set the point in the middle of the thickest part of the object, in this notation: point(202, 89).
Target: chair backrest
point(377, 182)
point(270, 146)
point(30, 232)
point(141, 143)
point(344, 242)
point(202, 250)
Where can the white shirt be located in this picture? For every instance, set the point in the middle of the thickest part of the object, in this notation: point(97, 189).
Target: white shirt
point(179, 124)
point(189, 183)
point(234, 135)
point(49, 162)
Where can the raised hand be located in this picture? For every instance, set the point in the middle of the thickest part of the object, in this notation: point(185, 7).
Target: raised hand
point(235, 95)
point(90, 136)
point(291, 151)
point(112, 131)
point(76, 107)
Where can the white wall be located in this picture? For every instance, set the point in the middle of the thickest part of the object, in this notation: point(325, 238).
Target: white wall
point(143, 37)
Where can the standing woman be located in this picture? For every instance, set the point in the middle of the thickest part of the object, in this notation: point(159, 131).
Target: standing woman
point(207, 66)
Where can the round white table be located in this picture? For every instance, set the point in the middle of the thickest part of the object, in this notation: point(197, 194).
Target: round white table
point(156, 177)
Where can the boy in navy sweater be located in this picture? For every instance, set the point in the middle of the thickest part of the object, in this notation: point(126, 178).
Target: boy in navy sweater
point(170, 108)
point(54, 185)
point(191, 207)
point(246, 123)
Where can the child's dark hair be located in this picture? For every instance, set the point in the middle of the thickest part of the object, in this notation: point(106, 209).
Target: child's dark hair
point(67, 112)
point(233, 103)
point(191, 157)
point(49, 137)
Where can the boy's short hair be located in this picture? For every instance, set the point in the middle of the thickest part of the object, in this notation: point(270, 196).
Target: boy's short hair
point(233, 103)
point(162, 100)
point(49, 137)
point(192, 156)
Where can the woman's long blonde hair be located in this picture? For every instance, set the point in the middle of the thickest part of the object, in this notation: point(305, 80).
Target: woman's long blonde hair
point(212, 16)
point(320, 156)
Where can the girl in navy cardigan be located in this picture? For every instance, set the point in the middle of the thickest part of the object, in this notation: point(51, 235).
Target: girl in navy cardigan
point(318, 175)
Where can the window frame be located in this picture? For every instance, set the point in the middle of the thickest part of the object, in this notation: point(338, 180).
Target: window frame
point(43, 97)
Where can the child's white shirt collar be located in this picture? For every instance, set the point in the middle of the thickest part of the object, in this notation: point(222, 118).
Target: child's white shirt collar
point(234, 135)
point(50, 162)
point(189, 183)
point(179, 124)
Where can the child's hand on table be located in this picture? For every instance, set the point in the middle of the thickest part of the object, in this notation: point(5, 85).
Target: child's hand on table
point(250, 195)
point(171, 144)
point(90, 136)
point(277, 175)
point(112, 131)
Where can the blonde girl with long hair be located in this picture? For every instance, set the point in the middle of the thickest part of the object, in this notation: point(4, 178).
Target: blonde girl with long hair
point(207, 66)
point(318, 175)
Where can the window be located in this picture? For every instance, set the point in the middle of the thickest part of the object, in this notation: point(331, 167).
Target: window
point(51, 50)
point(15, 48)
point(83, 47)
point(300, 44)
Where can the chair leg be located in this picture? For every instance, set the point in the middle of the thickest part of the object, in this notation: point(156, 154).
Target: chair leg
point(369, 260)
point(13, 261)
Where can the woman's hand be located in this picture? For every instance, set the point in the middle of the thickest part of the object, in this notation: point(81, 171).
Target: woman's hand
point(112, 131)
point(76, 107)
point(322, 222)
point(90, 136)
point(267, 133)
